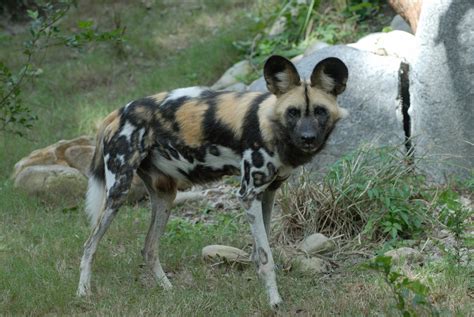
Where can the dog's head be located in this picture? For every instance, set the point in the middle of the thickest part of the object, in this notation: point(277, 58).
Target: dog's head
point(306, 110)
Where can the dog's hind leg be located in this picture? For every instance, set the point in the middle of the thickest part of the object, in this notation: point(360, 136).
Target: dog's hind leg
point(116, 169)
point(162, 191)
point(118, 186)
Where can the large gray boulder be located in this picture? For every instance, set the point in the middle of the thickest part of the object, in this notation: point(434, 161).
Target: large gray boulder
point(370, 97)
point(442, 88)
point(395, 43)
point(233, 75)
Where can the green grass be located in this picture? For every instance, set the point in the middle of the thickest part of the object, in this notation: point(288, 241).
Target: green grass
point(169, 46)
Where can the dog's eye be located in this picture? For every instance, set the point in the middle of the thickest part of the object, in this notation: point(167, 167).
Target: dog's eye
point(320, 111)
point(293, 112)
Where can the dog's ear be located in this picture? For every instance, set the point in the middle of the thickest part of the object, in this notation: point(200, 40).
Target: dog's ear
point(280, 75)
point(330, 75)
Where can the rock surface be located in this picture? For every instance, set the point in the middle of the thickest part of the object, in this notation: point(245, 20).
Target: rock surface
point(233, 75)
point(408, 255)
point(238, 87)
point(315, 47)
point(399, 24)
point(52, 154)
point(370, 97)
point(80, 157)
point(442, 89)
point(398, 44)
point(312, 265)
point(53, 183)
point(316, 243)
point(218, 253)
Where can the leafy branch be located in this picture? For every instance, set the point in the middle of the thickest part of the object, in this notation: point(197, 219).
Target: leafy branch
point(15, 116)
point(410, 294)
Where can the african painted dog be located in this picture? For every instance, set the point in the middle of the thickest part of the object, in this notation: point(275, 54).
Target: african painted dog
point(195, 135)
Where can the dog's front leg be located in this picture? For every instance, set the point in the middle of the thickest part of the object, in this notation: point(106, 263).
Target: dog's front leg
point(263, 258)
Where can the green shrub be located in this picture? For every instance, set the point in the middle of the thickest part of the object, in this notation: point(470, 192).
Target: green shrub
point(456, 218)
point(372, 192)
point(306, 23)
point(411, 295)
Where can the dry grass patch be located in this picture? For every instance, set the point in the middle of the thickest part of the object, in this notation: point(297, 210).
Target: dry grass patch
point(371, 194)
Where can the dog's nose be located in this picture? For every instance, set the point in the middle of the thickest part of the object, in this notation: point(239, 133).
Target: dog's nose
point(308, 138)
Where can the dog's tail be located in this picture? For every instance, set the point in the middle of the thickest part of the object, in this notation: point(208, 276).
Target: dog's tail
point(96, 192)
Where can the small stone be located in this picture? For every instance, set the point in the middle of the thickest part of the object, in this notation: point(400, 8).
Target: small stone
point(312, 265)
point(233, 75)
point(217, 253)
point(405, 254)
point(316, 243)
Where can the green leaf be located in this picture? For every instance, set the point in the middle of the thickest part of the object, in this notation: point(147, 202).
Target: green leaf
point(85, 25)
point(32, 14)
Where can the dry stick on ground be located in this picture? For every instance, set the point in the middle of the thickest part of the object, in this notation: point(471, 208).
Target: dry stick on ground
point(409, 10)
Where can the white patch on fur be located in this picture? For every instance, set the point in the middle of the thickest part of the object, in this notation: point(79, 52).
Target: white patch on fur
point(127, 130)
point(141, 133)
point(226, 157)
point(284, 81)
point(327, 83)
point(190, 92)
point(343, 113)
point(95, 199)
point(275, 160)
point(171, 167)
point(128, 104)
point(283, 78)
point(121, 158)
point(109, 176)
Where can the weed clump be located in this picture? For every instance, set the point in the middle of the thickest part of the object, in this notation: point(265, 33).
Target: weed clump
point(371, 192)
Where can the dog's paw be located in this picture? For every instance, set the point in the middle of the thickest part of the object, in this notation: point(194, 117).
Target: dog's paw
point(83, 291)
point(276, 302)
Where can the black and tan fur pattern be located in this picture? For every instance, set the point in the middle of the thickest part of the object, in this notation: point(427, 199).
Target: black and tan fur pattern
point(196, 135)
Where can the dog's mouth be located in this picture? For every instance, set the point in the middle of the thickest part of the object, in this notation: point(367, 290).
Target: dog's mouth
point(309, 148)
